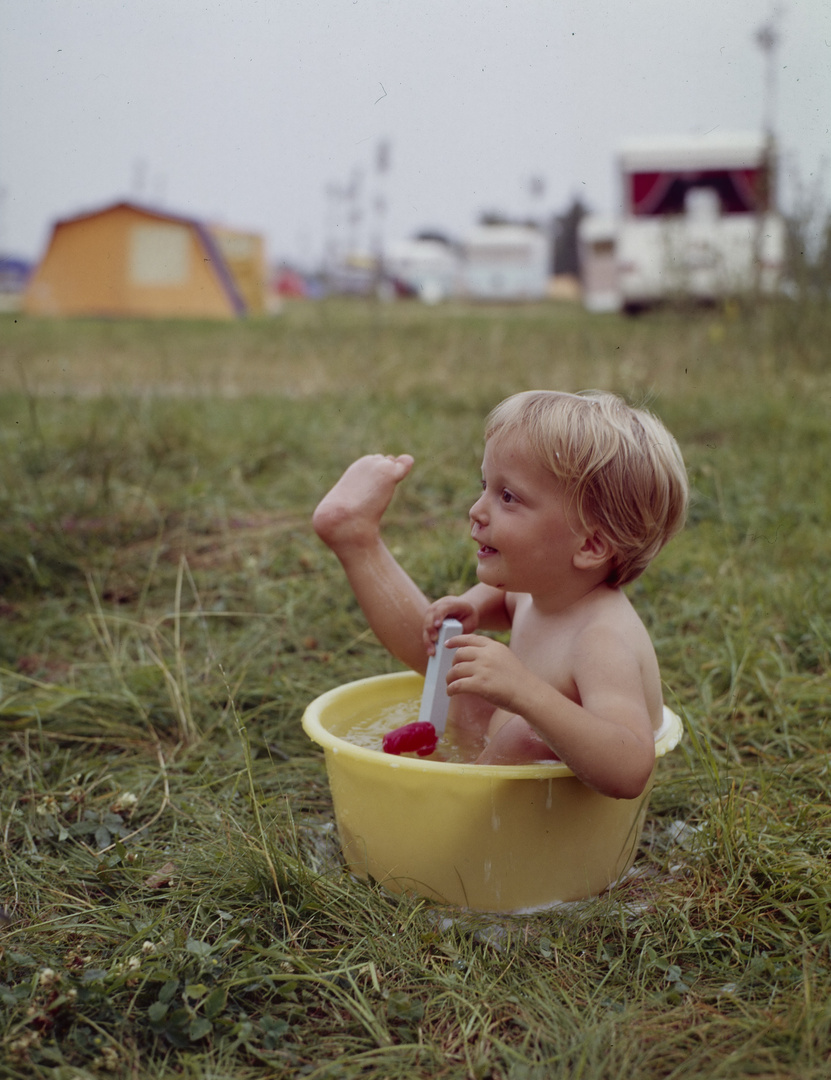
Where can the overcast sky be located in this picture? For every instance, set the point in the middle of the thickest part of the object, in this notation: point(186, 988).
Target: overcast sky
point(246, 112)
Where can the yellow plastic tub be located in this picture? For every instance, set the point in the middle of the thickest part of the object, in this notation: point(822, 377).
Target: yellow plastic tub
point(501, 838)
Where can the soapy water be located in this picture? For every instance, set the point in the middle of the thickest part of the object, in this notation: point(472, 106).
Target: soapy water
point(369, 732)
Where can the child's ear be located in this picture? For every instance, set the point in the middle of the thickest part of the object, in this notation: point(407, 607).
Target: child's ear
point(593, 553)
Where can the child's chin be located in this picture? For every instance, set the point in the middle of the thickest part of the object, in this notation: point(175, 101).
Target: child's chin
point(487, 578)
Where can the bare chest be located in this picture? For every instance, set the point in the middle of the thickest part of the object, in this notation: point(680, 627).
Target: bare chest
point(546, 650)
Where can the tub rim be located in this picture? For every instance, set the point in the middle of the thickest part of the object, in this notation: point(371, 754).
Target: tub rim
point(666, 738)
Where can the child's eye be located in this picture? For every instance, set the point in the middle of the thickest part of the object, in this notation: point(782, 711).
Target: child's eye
point(507, 497)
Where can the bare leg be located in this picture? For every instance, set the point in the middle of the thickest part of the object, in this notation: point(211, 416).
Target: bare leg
point(514, 742)
point(348, 520)
point(467, 725)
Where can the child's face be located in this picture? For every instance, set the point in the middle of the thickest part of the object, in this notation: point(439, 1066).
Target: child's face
point(527, 535)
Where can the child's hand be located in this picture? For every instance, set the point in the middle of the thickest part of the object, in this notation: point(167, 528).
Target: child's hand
point(485, 667)
point(449, 607)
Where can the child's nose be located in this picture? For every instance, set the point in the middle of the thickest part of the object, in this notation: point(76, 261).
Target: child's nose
point(477, 512)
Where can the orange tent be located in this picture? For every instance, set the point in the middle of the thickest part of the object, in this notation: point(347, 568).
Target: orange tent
point(130, 260)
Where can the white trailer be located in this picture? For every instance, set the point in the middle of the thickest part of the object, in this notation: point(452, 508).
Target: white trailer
point(428, 268)
point(698, 219)
point(597, 256)
point(505, 262)
point(699, 222)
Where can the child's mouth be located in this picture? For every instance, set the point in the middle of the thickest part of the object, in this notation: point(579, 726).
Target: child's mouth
point(484, 551)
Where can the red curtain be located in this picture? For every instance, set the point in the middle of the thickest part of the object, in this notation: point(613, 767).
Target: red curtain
point(652, 193)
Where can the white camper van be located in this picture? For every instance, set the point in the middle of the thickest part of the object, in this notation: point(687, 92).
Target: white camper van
point(698, 219)
point(698, 223)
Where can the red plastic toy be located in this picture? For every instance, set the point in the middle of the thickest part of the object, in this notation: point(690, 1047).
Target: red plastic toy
point(419, 736)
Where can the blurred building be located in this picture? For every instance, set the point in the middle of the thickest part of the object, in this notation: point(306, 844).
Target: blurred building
point(597, 248)
point(499, 261)
point(505, 262)
point(14, 276)
point(131, 260)
point(428, 269)
point(244, 254)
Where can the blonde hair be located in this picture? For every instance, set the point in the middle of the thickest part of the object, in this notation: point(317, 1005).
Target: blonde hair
point(620, 466)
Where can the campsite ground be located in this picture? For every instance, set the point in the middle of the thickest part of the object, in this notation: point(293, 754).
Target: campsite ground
point(171, 906)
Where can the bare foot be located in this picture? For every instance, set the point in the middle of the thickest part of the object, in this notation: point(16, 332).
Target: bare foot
point(350, 514)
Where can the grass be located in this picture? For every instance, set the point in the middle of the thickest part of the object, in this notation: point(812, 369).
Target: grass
point(172, 901)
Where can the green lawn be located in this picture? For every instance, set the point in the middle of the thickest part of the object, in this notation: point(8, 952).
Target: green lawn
point(172, 901)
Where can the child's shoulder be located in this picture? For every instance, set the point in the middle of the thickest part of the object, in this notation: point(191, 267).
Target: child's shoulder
point(606, 613)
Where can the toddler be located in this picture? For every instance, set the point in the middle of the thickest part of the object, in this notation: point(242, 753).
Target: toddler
point(579, 493)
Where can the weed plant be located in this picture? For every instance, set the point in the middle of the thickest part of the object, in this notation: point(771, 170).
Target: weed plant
point(172, 899)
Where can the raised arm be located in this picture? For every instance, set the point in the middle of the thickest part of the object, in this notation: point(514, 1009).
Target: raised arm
point(348, 520)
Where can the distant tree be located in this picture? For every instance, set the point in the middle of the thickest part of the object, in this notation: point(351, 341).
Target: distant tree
point(564, 238)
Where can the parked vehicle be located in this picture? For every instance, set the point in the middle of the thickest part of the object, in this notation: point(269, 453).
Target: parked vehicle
point(699, 221)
